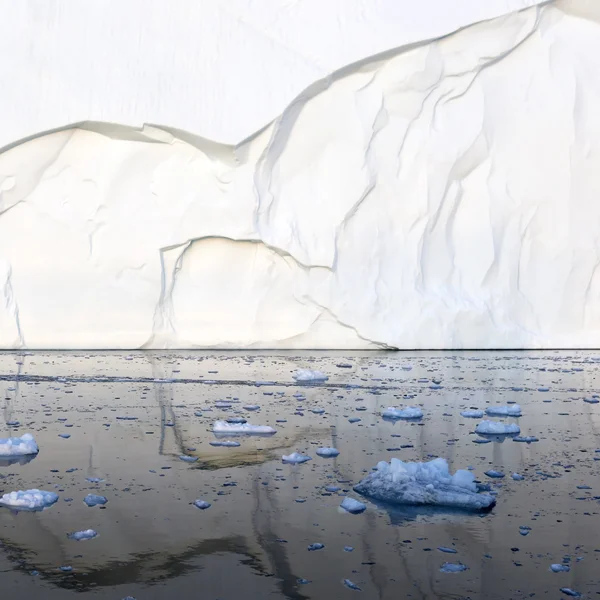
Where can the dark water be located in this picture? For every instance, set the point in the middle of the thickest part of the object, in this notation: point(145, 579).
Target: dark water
point(252, 542)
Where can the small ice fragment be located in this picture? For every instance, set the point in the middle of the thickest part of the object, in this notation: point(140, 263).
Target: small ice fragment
point(410, 412)
point(517, 477)
point(18, 446)
point(79, 536)
point(558, 568)
point(570, 592)
point(95, 500)
point(328, 452)
point(224, 428)
point(348, 549)
point(29, 500)
point(202, 504)
point(524, 530)
point(316, 546)
point(472, 414)
point(508, 410)
point(353, 420)
point(353, 506)
point(189, 459)
point(225, 443)
point(308, 375)
point(527, 439)
point(235, 420)
point(94, 479)
point(448, 550)
point(251, 407)
point(424, 483)
point(318, 411)
point(453, 567)
point(591, 400)
point(65, 436)
point(302, 581)
point(295, 458)
point(496, 428)
point(66, 568)
point(333, 488)
point(494, 474)
point(351, 585)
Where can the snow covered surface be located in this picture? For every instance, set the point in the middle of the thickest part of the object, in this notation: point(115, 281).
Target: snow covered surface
point(508, 410)
point(29, 500)
point(358, 208)
point(423, 483)
point(410, 412)
point(18, 446)
point(224, 428)
point(497, 428)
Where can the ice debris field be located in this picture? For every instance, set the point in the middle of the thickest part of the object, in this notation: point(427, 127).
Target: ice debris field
point(405, 464)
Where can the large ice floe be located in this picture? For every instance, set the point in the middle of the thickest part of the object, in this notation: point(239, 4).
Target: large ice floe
point(358, 209)
point(18, 446)
point(34, 500)
point(410, 412)
point(423, 483)
point(509, 410)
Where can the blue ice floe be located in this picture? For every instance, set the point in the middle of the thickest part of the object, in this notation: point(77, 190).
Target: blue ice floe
point(508, 410)
point(328, 452)
point(496, 428)
point(224, 428)
point(453, 567)
point(353, 506)
point(304, 375)
point(424, 483)
point(95, 500)
point(80, 536)
point(472, 414)
point(295, 458)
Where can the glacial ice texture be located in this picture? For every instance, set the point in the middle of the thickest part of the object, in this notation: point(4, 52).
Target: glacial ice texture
point(33, 500)
point(423, 483)
point(438, 195)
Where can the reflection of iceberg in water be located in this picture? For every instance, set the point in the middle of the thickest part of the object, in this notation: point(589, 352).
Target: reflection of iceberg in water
point(401, 514)
point(7, 461)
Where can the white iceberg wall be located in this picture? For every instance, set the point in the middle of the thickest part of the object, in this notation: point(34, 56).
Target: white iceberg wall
point(443, 195)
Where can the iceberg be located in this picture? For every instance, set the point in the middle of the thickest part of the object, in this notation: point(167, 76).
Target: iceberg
point(472, 414)
point(410, 412)
point(424, 483)
point(307, 206)
point(306, 375)
point(509, 410)
point(496, 428)
point(34, 500)
point(18, 446)
point(95, 500)
point(224, 428)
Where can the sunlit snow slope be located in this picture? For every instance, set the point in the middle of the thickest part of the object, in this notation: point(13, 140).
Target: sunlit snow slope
point(441, 195)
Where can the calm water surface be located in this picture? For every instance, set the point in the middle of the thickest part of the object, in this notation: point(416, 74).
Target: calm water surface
point(252, 542)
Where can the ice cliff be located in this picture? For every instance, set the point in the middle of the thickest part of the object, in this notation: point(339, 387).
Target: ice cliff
point(439, 195)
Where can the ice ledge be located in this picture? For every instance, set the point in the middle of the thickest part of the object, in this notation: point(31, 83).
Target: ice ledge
point(442, 195)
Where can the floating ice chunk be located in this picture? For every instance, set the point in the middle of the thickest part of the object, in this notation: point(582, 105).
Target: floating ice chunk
point(426, 483)
point(570, 592)
point(224, 428)
point(496, 428)
point(328, 452)
point(517, 477)
point(80, 536)
point(348, 549)
point(447, 550)
point(316, 546)
point(472, 414)
point(308, 375)
point(453, 567)
point(295, 458)
point(558, 568)
point(202, 504)
point(188, 459)
point(95, 500)
point(225, 443)
point(508, 410)
point(591, 400)
point(18, 446)
point(353, 506)
point(351, 585)
point(524, 530)
point(251, 407)
point(410, 412)
point(494, 474)
point(29, 499)
point(527, 439)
